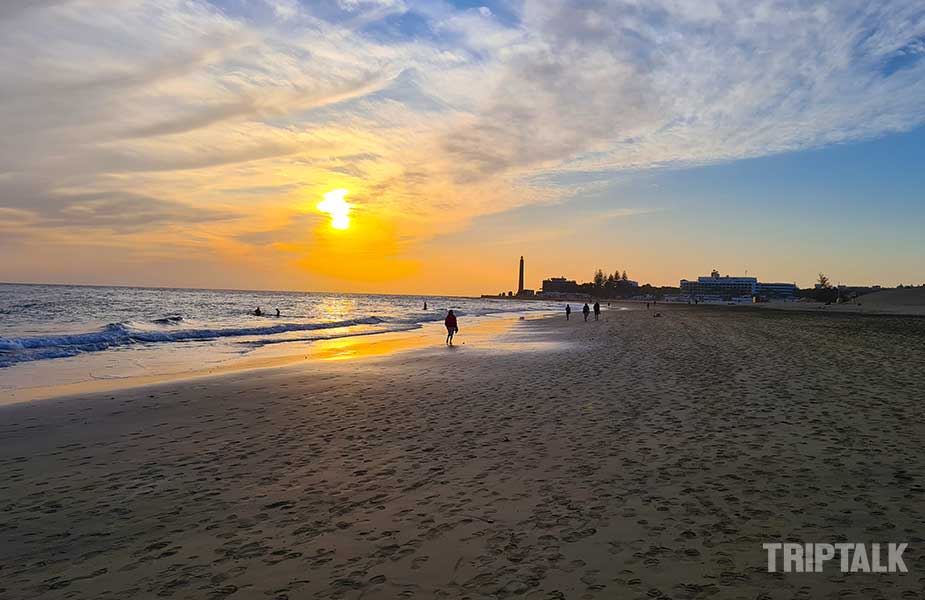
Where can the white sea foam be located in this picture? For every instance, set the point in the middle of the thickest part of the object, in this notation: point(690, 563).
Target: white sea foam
point(45, 322)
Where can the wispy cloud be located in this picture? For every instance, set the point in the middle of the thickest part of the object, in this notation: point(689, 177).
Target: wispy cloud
point(605, 85)
point(432, 114)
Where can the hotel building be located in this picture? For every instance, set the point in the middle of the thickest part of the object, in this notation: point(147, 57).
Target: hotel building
point(726, 288)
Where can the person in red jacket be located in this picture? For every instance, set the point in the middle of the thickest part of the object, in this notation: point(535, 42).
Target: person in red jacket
point(451, 327)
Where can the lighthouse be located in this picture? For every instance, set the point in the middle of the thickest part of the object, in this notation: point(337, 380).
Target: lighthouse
point(520, 282)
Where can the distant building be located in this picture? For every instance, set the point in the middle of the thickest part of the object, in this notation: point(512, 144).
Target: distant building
point(523, 292)
point(777, 291)
point(560, 285)
point(520, 283)
point(726, 288)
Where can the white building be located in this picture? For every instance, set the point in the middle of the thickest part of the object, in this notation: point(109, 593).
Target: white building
point(726, 288)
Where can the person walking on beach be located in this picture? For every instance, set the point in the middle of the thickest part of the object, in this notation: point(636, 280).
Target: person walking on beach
point(597, 310)
point(425, 305)
point(568, 311)
point(451, 327)
point(586, 311)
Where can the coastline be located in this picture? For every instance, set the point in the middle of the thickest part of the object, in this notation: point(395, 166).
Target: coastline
point(479, 330)
point(632, 457)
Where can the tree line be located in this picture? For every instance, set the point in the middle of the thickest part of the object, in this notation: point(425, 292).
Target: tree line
point(617, 285)
point(612, 281)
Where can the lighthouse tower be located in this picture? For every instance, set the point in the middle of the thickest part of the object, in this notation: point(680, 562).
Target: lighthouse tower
point(520, 282)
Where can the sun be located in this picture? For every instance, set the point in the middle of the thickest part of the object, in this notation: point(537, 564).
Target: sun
point(339, 209)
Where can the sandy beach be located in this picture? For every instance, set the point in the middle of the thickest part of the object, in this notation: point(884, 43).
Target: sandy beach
point(635, 457)
point(897, 302)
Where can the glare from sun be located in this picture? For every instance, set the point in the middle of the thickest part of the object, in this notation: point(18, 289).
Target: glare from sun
point(339, 209)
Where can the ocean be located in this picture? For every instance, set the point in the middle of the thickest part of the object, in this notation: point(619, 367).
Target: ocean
point(131, 331)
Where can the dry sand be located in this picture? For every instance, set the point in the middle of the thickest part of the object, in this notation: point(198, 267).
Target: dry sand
point(904, 302)
point(645, 458)
point(908, 300)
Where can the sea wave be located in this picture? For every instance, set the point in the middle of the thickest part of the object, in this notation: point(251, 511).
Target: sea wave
point(170, 328)
point(23, 349)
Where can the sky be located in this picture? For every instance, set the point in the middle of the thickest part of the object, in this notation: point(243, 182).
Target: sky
point(189, 143)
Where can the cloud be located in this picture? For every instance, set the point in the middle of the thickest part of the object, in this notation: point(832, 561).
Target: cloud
point(10, 9)
point(198, 119)
point(34, 207)
point(596, 84)
point(284, 9)
point(617, 85)
point(356, 5)
point(173, 111)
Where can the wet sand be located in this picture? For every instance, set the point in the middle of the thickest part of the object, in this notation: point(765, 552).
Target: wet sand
point(635, 457)
point(75, 376)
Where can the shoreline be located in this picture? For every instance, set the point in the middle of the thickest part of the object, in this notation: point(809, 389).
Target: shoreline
point(484, 329)
point(481, 329)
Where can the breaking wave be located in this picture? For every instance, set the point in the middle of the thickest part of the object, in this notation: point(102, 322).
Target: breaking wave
point(22, 349)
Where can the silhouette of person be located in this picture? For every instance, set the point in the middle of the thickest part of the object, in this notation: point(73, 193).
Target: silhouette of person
point(568, 311)
point(597, 310)
point(258, 312)
point(451, 327)
point(425, 305)
point(277, 312)
point(586, 310)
